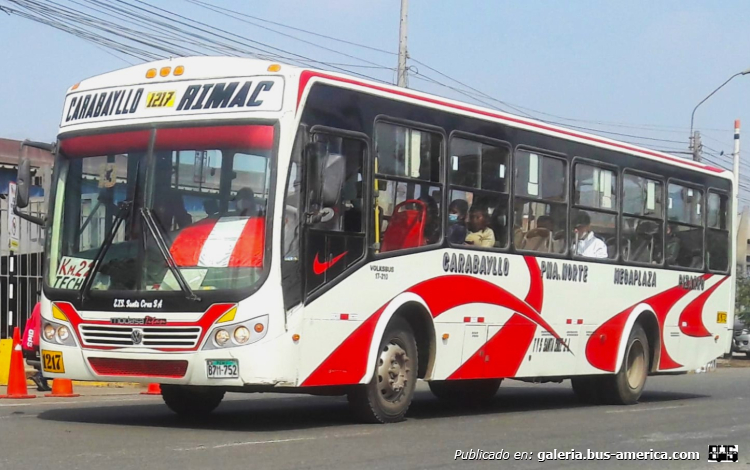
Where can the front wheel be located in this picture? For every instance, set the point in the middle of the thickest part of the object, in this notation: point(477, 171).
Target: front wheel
point(191, 402)
point(386, 398)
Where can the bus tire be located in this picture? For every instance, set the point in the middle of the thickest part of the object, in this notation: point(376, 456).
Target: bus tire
point(190, 401)
point(471, 392)
point(626, 386)
point(386, 398)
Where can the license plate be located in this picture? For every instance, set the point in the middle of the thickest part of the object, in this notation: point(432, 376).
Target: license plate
point(222, 369)
point(52, 361)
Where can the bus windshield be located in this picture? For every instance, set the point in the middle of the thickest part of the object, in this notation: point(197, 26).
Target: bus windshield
point(192, 196)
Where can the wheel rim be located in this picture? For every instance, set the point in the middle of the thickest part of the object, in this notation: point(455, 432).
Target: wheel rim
point(636, 365)
point(393, 371)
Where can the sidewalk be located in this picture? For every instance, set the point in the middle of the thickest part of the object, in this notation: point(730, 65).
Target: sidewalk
point(82, 390)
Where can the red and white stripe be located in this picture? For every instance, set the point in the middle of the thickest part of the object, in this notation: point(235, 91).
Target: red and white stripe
point(220, 243)
point(473, 319)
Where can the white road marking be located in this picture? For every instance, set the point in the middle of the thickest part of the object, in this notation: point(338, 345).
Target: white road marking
point(270, 441)
point(248, 443)
point(645, 408)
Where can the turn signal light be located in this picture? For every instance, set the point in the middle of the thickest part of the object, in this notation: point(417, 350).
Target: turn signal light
point(151, 73)
point(165, 71)
point(295, 337)
point(258, 327)
point(445, 336)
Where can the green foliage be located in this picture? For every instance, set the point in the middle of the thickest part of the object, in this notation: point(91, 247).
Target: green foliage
point(742, 299)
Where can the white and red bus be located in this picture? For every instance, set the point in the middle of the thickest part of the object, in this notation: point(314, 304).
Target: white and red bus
point(226, 224)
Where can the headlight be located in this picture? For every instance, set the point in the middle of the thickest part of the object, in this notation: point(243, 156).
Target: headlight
point(57, 333)
point(63, 333)
point(221, 337)
point(241, 335)
point(49, 332)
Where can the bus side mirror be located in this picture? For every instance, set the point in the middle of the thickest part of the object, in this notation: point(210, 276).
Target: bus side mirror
point(23, 182)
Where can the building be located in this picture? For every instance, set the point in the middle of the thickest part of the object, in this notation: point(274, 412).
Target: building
point(19, 289)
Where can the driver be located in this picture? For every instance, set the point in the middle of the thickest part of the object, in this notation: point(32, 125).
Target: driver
point(245, 202)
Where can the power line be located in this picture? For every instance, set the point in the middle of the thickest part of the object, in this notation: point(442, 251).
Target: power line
point(233, 14)
point(351, 43)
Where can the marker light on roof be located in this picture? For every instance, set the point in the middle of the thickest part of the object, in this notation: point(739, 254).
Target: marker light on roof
point(179, 70)
point(165, 71)
point(274, 68)
point(74, 87)
point(151, 73)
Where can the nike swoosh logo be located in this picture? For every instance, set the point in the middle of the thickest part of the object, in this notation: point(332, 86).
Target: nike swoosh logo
point(319, 268)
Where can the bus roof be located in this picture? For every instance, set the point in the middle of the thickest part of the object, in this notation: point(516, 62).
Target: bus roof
point(208, 68)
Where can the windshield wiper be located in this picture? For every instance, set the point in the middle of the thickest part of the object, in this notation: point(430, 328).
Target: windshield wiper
point(171, 264)
point(124, 209)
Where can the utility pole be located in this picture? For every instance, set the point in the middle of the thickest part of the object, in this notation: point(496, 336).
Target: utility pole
point(402, 54)
point(735, 221)
point(696, 147)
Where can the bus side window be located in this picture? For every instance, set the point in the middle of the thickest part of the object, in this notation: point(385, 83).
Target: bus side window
point(641, 233)
point(595, 200)
point(408, 187)
point(540, 213)
point(685, 226)
point(717, 232)
point(478, 210)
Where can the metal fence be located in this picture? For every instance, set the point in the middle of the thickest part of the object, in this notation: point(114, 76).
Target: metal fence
point(20, 272)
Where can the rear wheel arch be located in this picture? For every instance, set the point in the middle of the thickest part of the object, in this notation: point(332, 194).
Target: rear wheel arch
point(644, 316)
point(647, 320)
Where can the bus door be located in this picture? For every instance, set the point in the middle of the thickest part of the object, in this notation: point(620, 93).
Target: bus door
point(334, 230)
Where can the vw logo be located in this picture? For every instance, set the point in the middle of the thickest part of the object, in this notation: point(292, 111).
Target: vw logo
point(136, 336)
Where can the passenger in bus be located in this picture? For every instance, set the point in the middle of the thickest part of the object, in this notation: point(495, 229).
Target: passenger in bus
point(432, 223)
point(245, 203)
point(587, 243)
point(673, 245)
point(457, 211)
point(170, 211)
point(539, 238)
point(479, 232)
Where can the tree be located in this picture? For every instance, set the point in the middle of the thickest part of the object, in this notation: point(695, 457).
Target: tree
point(742, 299)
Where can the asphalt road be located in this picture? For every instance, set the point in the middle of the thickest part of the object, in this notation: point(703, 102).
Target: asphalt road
point(123, 430)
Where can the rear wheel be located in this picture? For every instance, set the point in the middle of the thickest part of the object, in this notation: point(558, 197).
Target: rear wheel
point(625, 387)
point(475, 392)
point(190, 401)
point(386, 398)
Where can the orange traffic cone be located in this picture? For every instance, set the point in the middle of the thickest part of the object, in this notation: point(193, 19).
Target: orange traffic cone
point(17, 375)
point(153, 389)
point(62, 388)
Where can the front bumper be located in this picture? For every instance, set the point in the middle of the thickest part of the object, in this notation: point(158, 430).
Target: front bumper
point(185, 368)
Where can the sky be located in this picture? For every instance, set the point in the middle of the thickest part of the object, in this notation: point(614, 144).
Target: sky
point(643, 65)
